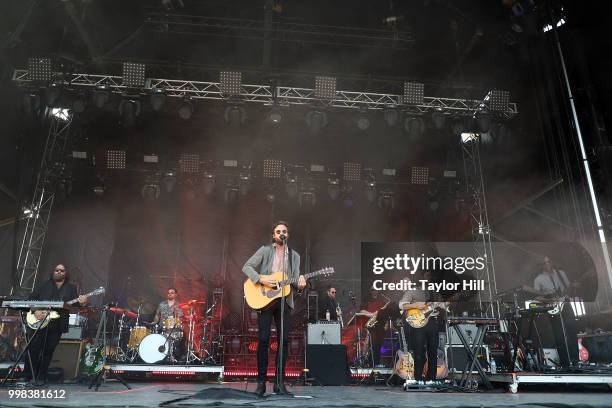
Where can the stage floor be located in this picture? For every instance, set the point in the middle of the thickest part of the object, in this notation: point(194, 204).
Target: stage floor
point(152, 394)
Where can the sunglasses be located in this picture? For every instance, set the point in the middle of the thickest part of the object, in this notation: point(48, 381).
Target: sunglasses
point(59, 270)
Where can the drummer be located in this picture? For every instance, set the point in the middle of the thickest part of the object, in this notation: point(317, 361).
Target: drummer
point(169, 310)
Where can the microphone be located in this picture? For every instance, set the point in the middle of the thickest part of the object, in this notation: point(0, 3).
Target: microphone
point(283, 237)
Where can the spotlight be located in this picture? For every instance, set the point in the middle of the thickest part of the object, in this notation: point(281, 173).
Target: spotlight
point(386, 200)
point(31, 103)
point(208, 183)
point(129, 109)
point(235, 115)
point(391, 115)
point(275, 116)
point(98, 190)
point(316, 120)
point(231, 195)
point(101, 96)
point(150, 191)
point(333, 187)
point(370, 188)
point(158, 99)
point(307, 198)
point(244, 183)
point(61, 114)
point(79, 104)
point(414, 126)
point(169, 181)
point(133, 74)
point(185, 109)
point(459, 127)
point(363, 122)
point(52, 94)
point(291, 185)
point(270, 197)
point(483, 120)
point(438, 119)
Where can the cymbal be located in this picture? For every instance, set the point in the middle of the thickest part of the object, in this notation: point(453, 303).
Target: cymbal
point(145, 306)
point(190, 303)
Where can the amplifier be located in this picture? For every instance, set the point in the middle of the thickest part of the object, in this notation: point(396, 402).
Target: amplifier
point(468, 330)
point(324, 333)
point(327, 363)
point(67, 356)
point(73, 333)
point(456, 358)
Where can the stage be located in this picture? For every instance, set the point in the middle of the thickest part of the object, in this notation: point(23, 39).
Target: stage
point(153, 394)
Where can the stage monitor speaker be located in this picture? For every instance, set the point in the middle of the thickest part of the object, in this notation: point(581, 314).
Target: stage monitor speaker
point(67, 356)
point(456, 358)
point(324, 332)
point(327, 363)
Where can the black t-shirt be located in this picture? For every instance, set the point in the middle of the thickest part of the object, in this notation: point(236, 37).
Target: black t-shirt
point(327, 303)
point(48, 290)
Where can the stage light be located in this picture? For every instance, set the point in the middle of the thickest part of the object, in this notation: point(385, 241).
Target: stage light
point(498, 100)
point(231, 195)
point(52, 94)
point(101, 96)
point(169, 181)
point(31, 103)
point(80, 103)
point(391, 115)
point(316, 120)
point(79, 155)
point(150, 158)
point(39, 69)
point(325, 87)
point(157, 99)
point(483, 120)
point(270, 198)
point(351, 171)
point(272, 169)
point(150, 191)
point(115, 159)
point(307, 198)
point(370, 189)
point(99, 190)
point(189, 163)
point(415, 127)
point(469, 137)
point(61, 114)
point(438, 118)
point(413, 93)
point(185, 109)
point(317, 168)
point(291, 185)
point(208, 182)
point(235, 115)
point(244, 182)
point(363, 122)
point(420, 175)
point(333, 187)
point(129, 109)
point(274, 116)
point(230, 83)
point(459, 127)
point(133, 75)
point(389, 172)
point(386, 201)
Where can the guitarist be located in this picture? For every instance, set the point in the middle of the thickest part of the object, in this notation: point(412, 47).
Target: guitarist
point(266, 260)
point(425, 339)
point(42, 347)
point(554, 282)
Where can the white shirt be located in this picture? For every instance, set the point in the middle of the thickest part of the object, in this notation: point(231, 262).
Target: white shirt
point(555, 282)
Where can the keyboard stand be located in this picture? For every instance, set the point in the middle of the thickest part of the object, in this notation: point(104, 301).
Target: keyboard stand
point(471, 351)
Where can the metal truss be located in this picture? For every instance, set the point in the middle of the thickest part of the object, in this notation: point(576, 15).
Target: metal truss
point(283, 95)
point(38, 213)
point(480, 228)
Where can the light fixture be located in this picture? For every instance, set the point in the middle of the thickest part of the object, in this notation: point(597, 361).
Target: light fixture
point(420, 175)
point(133, 74)
point(185, 109)
point(39, 69)
point(316, 120)
point(274, 116)
point(150, 190)
point(291, 185)
point(231, 194)
point(391, 115)
point(189, 163)
point(230, 83)
point(308, 197)
point(413, 93)
point(272, 169)
point(157, 99)
point(235, 115)
point(370, 188)
point(169, 181)
point(244, 181)
point(62, 114)
point(208, 182)
point(438, 119)
point(483, 121)
point(129, 109)
point(52, 94)
point(386, 201)
point(351, 171)
point(115, 159)
point(325, 87)
point(80, 103)
point(363, 121)
point(333, 187)
point(415, 127)
point(101, 96)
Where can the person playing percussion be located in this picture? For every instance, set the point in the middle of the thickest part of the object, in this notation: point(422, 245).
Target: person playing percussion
point(168, 312)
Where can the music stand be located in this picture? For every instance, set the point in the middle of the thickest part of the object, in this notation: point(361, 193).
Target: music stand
point(105, 367)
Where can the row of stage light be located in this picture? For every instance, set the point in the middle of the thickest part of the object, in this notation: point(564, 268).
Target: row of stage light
point(133, 93)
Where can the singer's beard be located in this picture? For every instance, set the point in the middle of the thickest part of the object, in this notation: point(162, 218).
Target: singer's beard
point(279, 242)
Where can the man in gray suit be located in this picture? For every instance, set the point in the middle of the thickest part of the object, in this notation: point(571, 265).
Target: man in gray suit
point(268, 259)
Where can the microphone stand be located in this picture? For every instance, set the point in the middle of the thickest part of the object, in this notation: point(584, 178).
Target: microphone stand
point(281, 342)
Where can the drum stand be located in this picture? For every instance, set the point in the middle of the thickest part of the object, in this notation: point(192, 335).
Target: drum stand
point(191, 356)
point(106, 370)
point(120, 355)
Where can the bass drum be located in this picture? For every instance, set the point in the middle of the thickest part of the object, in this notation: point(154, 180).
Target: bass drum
point(154, 348)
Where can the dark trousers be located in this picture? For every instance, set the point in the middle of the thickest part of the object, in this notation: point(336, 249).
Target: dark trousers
point(264, 322)
point(426, 344)
point(41, 350)
point(564, 330)
point(377, 337)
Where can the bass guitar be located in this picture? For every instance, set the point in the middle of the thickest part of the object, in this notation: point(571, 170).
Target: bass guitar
point(259, 296)
point(36, 323)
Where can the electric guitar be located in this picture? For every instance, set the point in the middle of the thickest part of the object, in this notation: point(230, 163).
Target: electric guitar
point(418, 318)
point(404, 363)
point(259, 296)
point(36, 323)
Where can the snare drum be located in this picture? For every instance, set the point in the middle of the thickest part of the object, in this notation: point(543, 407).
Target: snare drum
point(171, 323)
point(137, 333)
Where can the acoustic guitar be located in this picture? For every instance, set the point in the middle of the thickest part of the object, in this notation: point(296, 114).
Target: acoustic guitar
point(259, 296)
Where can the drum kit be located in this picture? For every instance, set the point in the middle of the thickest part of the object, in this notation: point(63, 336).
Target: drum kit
point(180, 338)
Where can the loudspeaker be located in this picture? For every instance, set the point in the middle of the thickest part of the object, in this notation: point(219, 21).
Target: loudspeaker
point(327, 363)
point(67, 356)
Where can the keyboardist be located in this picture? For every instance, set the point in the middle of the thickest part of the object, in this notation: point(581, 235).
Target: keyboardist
point(57, 287)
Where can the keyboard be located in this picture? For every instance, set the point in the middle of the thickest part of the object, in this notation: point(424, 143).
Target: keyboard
point(473, 320)
point(33, 304)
